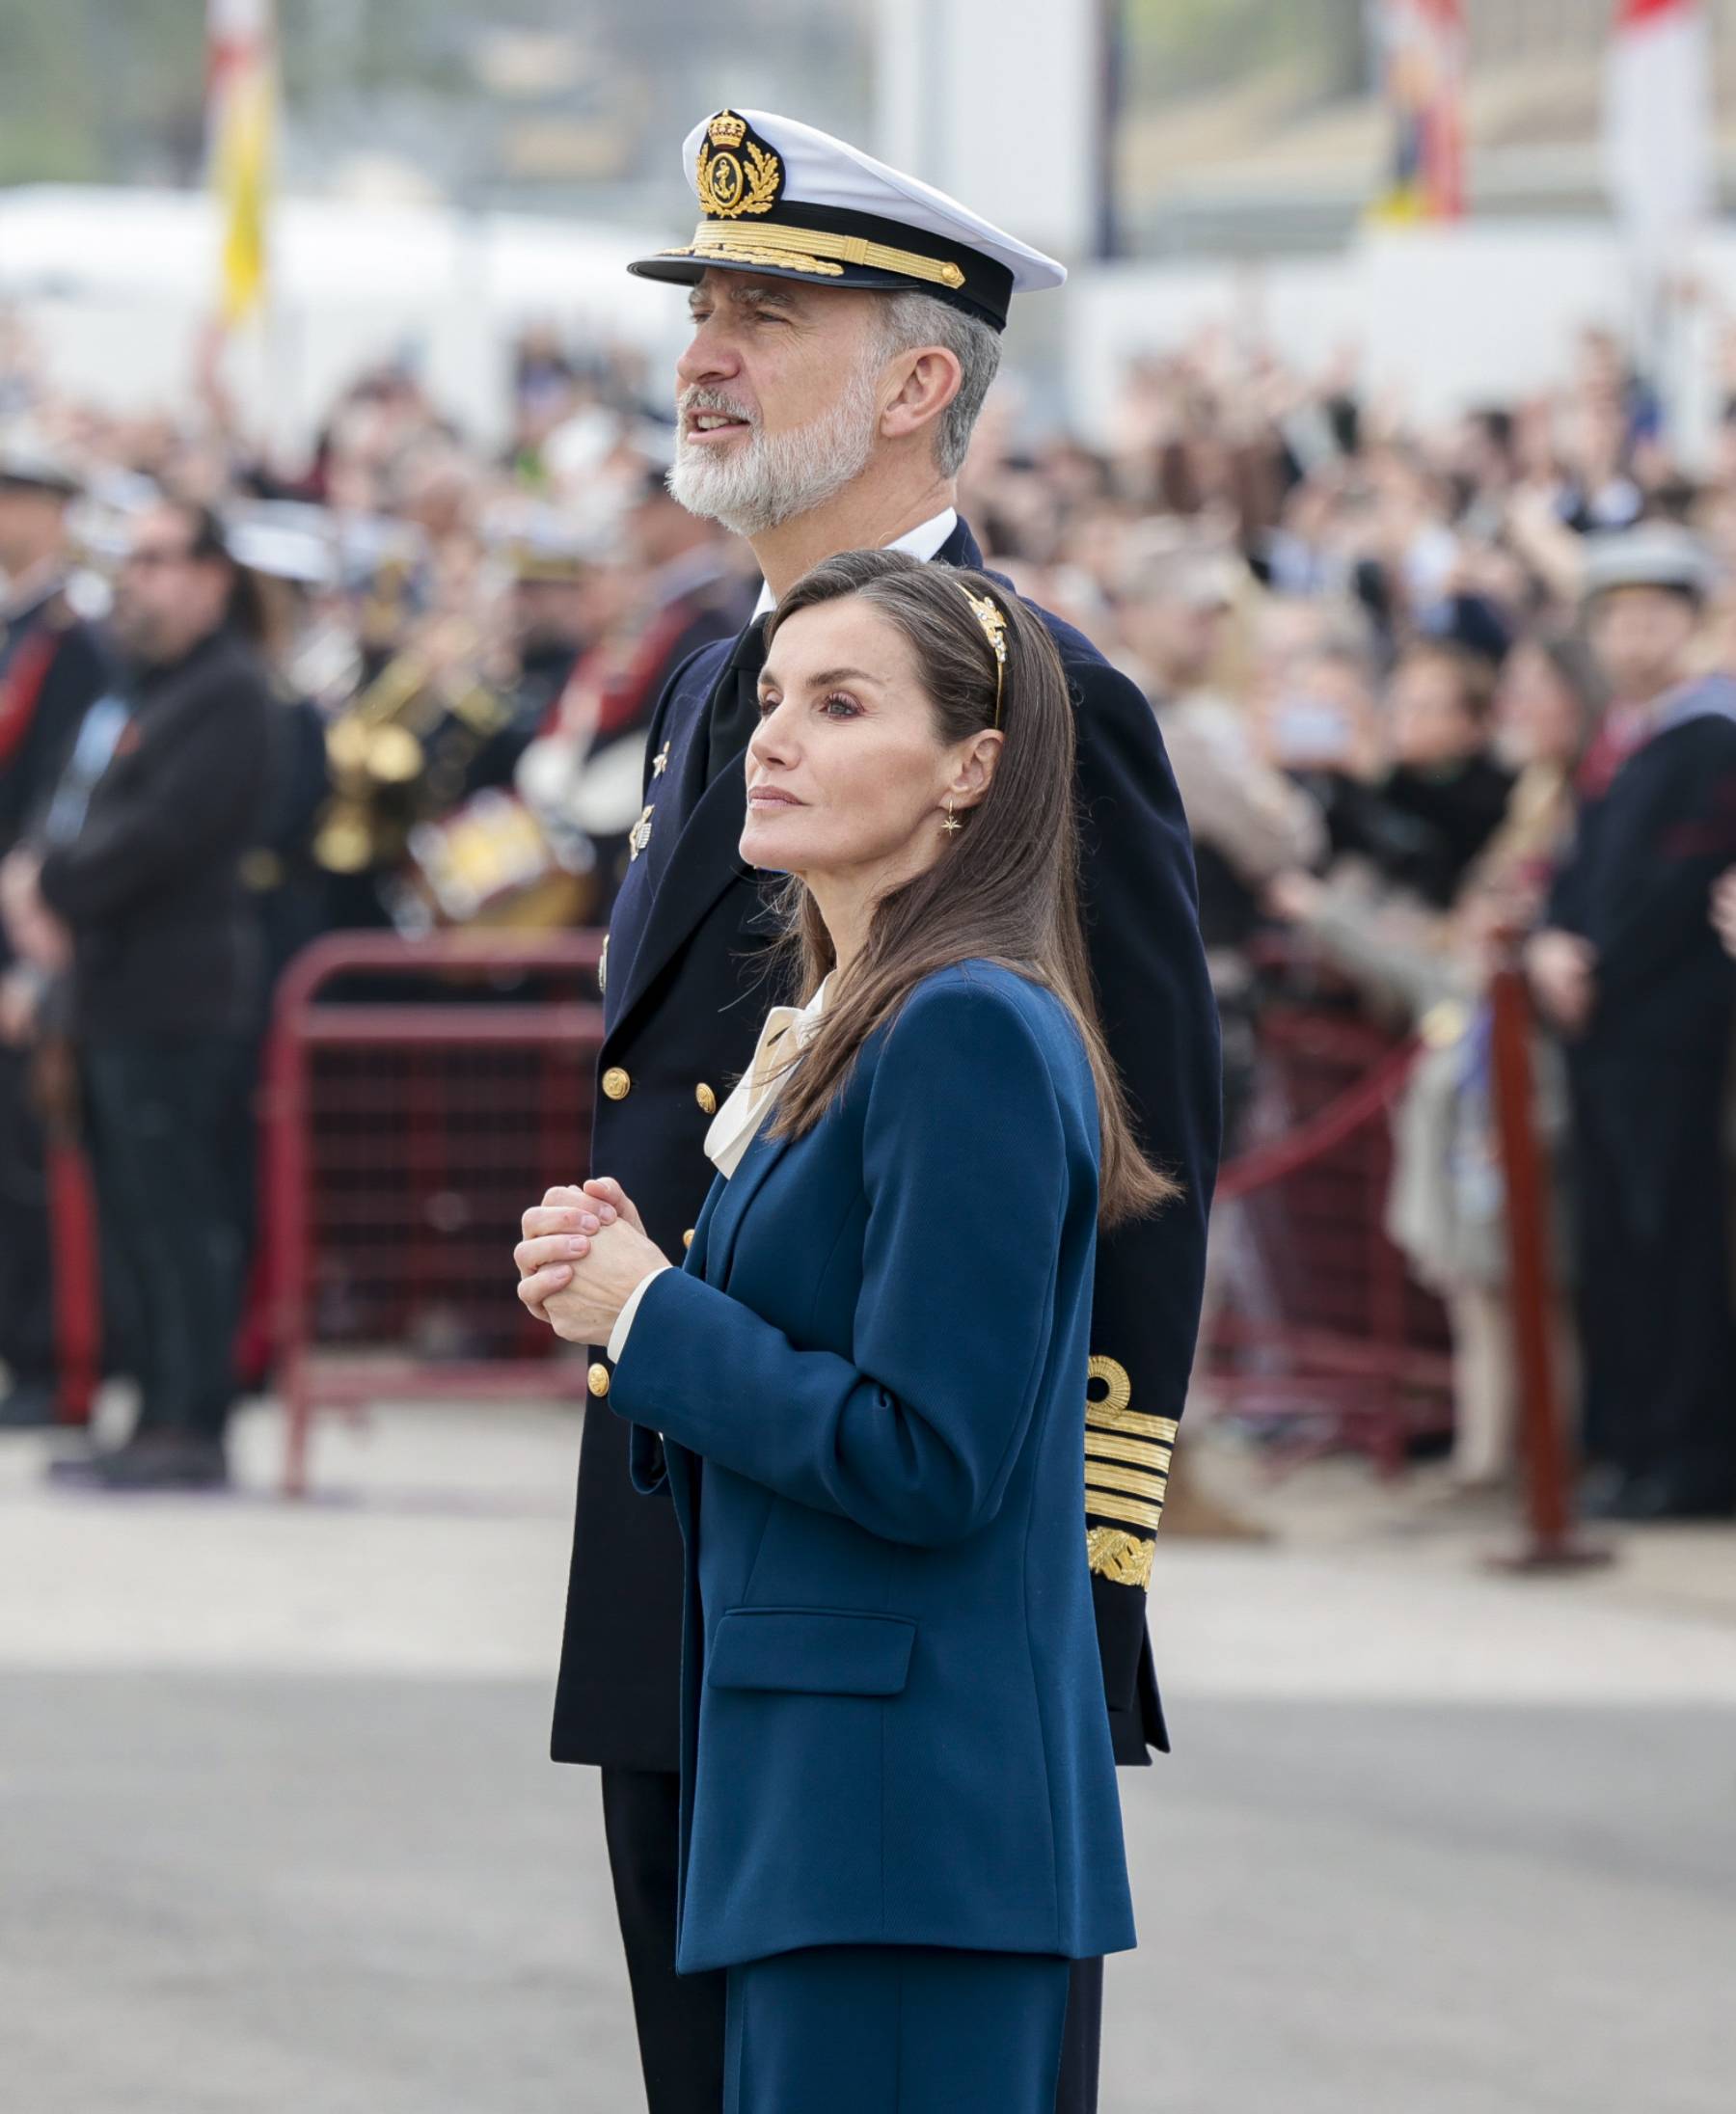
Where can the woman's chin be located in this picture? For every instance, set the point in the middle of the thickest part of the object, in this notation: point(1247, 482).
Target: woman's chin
point(770, 844)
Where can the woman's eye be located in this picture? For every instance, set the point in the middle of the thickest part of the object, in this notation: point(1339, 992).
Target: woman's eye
point(839, 707)
point(768, 705)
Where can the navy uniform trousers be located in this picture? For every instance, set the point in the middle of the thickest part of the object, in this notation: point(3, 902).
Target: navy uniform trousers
point(864, 2030)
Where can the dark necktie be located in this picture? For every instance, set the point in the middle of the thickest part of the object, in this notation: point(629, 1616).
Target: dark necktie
point(735, 703)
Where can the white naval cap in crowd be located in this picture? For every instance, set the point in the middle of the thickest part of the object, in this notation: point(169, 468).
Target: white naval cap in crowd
point(786, 198)
point(1656, 553)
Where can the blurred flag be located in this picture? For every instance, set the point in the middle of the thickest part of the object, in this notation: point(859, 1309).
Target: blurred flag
point(1422, 68)
point(1657, 139)
point(240, 107)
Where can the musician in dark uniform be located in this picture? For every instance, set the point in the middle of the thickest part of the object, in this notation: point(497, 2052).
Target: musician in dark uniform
point(1631, 973)
point(51, 671)
point(846, 328)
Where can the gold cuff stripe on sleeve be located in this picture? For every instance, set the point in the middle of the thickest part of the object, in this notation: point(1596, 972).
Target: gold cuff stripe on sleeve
point(1107, 1477)
point(805, 249)
point(1105, 1417)
point(1111, 1506)
point(1123, 1558)
point(1109, 1446)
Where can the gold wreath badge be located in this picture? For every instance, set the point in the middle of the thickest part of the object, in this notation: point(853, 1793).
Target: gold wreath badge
point(726, 190)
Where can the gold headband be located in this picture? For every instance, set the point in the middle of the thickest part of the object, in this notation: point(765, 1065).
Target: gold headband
point(989, 614)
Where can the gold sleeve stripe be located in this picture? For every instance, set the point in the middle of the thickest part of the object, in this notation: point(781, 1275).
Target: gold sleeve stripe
point(1124, 1479)
point(1105, 1417)
point(1109, 1446)
point(1107, 1506)
point(1123, 1558)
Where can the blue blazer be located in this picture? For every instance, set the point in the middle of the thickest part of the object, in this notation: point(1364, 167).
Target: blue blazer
point(869, 1382)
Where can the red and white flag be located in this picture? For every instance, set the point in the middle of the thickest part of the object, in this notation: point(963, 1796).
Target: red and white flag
point(1658, 125)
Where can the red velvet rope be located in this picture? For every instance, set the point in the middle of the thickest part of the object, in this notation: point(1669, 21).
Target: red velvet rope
point(1328, 1127)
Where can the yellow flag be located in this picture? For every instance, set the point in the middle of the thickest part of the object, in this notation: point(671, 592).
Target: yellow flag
point(241, 99)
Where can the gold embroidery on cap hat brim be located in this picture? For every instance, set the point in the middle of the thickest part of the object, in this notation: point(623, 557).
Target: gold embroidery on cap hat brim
point(805, 244)
point(746, 248)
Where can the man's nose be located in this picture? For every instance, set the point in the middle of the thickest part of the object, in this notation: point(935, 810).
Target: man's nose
point(709, 356)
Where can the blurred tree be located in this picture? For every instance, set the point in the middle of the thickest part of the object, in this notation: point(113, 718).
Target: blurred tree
point(100, 89)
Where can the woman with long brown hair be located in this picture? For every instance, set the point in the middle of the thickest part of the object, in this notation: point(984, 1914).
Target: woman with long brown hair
point(899, 1812)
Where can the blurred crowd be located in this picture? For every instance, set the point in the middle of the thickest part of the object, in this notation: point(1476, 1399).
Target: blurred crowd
point(1441, 702)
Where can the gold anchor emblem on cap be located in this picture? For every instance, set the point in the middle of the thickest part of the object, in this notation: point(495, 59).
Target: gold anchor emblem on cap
point(736, 173)
point(640, 835)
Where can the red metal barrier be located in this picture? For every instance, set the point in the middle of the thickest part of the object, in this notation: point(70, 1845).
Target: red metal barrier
point(1343, 1348)
point(1552, 1543)
point(77, 1277)
point(407, 1126)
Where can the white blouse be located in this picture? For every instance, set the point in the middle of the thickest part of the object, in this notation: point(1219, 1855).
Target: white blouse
point(737, 1123)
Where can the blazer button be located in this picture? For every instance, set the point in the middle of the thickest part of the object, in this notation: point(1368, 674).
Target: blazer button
point(707, 1100)
point(687, 1238)
point(597, 1379)
point(617, 1084)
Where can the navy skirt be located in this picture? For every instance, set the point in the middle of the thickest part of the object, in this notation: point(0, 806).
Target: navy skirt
point(894, 2029)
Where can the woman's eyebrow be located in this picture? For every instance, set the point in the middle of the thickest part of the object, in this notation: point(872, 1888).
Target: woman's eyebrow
point(822, 678)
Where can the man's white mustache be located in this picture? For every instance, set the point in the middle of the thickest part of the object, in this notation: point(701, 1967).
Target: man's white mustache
point(714, 399)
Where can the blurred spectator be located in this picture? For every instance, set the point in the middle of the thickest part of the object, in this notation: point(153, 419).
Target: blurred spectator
point(51, 670)
point(136, 858)
point(1431, 966)
point(1249, 822)
point(1446, 793)
point(1630, 971)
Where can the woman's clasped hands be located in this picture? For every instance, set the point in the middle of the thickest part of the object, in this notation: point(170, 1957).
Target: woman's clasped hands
point(583, 1252)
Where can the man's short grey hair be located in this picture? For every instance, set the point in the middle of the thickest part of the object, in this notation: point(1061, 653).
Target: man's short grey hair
point(908, 320)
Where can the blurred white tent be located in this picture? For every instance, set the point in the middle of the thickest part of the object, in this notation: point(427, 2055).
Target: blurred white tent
point(118, 287)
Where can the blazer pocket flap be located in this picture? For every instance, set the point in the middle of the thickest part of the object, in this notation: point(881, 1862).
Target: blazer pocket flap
point(811, 1651)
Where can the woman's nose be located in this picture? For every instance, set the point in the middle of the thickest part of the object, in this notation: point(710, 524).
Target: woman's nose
point(771, 742)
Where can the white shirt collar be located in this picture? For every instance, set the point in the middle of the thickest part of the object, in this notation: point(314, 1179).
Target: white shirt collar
point(735, 1126)
point(923, 541)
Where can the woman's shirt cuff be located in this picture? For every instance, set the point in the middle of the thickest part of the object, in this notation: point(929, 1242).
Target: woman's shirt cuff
point(618, 1336)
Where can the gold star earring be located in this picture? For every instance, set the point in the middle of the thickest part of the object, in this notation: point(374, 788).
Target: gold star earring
point(952, 821)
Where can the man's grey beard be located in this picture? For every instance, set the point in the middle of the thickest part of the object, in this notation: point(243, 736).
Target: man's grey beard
point(773, 478)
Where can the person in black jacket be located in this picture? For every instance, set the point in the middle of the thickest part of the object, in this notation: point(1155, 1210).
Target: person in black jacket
point(846, 327)
point(136, 856)
point(51, 669)
point(1631, 972)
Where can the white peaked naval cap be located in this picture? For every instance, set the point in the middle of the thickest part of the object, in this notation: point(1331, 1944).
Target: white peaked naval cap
point(785, 199)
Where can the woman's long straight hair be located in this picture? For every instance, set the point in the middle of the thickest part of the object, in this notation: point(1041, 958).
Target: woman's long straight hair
point(1004, 889)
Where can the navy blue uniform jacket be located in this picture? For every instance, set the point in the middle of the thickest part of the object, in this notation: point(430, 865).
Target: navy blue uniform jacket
point(892, 1726)
point(687, 993)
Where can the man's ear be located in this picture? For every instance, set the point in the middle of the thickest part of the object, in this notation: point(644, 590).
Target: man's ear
point(927, 381)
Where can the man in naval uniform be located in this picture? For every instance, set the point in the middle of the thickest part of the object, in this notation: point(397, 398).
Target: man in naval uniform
point(846, 327)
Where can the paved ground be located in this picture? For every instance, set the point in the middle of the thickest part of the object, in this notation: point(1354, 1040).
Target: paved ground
point(275, 1831)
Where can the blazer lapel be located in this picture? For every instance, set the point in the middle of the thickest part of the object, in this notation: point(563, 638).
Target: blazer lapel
point(739, 1191)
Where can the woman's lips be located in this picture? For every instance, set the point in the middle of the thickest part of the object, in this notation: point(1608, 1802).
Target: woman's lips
point(765, 796)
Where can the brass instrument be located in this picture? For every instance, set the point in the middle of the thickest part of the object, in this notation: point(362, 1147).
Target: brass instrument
point(399, 750)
